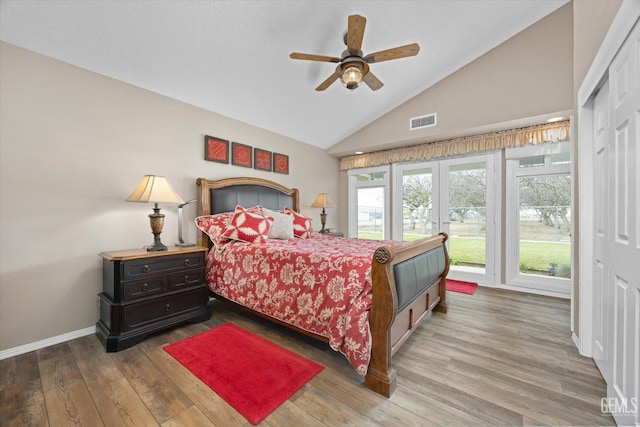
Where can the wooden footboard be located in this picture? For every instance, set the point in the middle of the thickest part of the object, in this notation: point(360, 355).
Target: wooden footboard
point(408, 283)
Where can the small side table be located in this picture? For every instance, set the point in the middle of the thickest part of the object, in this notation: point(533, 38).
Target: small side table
point(144, 292)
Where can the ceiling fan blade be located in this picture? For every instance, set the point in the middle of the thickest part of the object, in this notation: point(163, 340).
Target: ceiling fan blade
point(395, 53)
point(372, 81)
point(355, 31)
point(311, 57)
point(329, 81)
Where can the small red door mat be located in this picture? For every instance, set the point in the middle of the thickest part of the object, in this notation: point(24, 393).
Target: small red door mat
point(461, 287)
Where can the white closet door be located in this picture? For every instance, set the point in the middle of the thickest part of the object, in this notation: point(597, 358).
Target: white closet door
point(602, 291)
point(623, 242)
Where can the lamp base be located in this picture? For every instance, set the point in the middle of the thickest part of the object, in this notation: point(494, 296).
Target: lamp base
point(157, 244)
point(155, 248)
point(323, 221)
point(157, 222)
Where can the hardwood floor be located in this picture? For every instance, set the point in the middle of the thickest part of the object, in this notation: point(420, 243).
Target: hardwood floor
point(497, 358)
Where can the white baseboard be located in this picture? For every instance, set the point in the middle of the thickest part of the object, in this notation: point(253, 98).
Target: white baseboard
point(576, 341)
point(5, 354)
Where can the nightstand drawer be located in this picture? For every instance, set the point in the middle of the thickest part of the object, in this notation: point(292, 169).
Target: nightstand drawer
point(139, 268)
point(151, 311)
point(143, 288)
point(186, 278)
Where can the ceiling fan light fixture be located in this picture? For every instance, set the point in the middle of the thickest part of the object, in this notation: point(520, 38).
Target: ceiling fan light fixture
point(351, 76)
point(353, 67)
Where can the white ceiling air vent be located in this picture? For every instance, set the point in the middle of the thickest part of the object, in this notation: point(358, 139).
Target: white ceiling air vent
point(422, 122)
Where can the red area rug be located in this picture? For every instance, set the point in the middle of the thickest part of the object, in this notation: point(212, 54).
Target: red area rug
point(461, 287)
point(251, 373)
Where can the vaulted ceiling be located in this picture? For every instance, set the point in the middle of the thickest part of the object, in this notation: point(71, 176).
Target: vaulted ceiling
point(232, 57)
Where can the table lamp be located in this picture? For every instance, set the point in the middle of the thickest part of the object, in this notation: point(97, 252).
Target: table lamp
point(155, 189)
point(323, 201)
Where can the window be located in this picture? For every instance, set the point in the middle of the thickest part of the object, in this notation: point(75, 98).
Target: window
point(539, 217)
point(368, 203)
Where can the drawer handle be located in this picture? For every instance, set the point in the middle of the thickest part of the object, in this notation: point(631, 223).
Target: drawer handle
point(186, 278)
point(145, 287)
point(167, 307)
point(145, 268)
point(186, 261)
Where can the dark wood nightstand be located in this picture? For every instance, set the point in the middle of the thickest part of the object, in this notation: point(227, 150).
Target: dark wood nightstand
point(144, 292)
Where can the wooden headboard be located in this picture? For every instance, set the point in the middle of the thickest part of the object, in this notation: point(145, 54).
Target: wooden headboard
point(223, 195)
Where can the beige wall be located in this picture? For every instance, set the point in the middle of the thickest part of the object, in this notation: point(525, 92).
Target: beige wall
point(529, 75)
point(591, 21)
point(74, 144)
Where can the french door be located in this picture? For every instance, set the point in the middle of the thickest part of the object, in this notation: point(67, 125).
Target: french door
point(455, 196)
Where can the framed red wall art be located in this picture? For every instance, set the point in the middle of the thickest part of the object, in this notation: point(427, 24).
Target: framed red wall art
point(280, 163)
point(216, 149)
point(262, 159)
point(241, 155)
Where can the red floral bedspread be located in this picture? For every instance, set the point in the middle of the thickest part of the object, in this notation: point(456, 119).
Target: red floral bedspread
point(321, 284)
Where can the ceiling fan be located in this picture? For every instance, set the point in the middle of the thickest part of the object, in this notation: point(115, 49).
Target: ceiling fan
point(353, 67)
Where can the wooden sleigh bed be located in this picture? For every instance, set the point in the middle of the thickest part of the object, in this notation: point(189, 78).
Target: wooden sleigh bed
point(407, 279)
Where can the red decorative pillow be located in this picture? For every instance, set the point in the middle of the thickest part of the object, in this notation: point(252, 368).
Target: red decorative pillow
point(214, 225)
point(301, 224)
point(246, 226)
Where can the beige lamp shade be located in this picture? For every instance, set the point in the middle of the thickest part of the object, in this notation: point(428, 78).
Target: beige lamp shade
point(154, 189)
point(323, 201)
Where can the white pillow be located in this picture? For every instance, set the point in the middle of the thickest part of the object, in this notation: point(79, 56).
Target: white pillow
point(282, 227)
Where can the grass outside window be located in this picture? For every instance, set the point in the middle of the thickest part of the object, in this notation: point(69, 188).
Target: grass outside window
point(534, 256)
